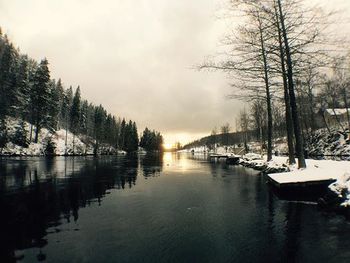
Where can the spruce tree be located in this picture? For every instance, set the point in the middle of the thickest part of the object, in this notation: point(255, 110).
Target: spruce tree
point(3, 135)
point(98, 126)
point(75, 111)
point(7, 89)
point(145, 139)
point(75, 115)
point(151, 140)
point(134, 137)
point(131, 137)
point(122, 135)
point(54, 104)
point(40, 96)
point(21, 134)
point(22, 87)
point(59, 94)
point(84, 117)
point(65, 110)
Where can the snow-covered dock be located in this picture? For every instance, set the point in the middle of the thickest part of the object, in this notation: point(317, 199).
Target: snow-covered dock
point(318, 172)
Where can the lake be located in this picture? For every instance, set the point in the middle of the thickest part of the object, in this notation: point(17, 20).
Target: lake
point(156, 208)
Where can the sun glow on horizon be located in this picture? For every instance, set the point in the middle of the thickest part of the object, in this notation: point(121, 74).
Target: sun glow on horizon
point(168, 146)
point(171, 139)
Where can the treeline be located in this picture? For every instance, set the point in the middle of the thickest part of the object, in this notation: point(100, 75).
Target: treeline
point(277, 57)
point(151, 140)
point(232, 138)
point(28, 93)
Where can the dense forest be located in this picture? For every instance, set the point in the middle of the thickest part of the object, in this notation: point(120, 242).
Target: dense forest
point(30, 95)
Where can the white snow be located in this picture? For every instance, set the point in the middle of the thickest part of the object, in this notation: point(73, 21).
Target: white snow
point(337, 111)
point(342, 188)
point(317, 170)
point(218, 150)
point(82, 145)
point(252, 156)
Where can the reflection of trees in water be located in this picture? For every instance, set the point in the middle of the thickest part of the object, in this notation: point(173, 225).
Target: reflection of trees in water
point(290, 237)
point(126, 172)
point(292, 231)
point(41, 193)
point(152, 164)
point(198, 156)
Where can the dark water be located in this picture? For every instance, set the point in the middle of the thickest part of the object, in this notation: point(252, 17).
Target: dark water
point(171, 208)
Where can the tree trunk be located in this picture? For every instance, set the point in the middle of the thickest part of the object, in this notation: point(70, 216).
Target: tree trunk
point(66, 139)
point(347, 109)
point(337, 118)
point(36, 135)
point(325, 122)
point(96, 148)
point(289, 122)
point(37, 130)
point(311, 108)
point(268, 95)
point(73, 142)
point(261, 140)
point(31, 133)
point(293, 104)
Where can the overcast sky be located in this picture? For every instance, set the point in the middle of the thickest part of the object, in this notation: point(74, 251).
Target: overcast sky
point(135, 57)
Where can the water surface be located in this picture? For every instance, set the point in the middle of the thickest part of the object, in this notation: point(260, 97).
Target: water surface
point(171, 208)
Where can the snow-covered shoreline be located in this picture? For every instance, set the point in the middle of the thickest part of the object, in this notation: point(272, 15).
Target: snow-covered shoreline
point(281, 172)
point(64, 144)
point(316, 171)
point(331, 143)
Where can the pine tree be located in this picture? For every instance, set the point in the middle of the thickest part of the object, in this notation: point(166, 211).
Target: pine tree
point(122, 135)
point(128, 138)
point(50, 147)
point(134, 137)
point(22, 87)
point(160, 142)
point(108, 128)
point(59, 94)
point(40, 97)
point(98, 126)
point(65, 110)
point(20, 136)
point(7, 89)
point(3, 134)
point(151, 140)
point(145, 139)
point(75, 115)
point(115, 132)
point(54, 104)
point(83, 119)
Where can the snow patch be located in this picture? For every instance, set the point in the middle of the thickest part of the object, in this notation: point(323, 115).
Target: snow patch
point(342, 188)
point(76, 145)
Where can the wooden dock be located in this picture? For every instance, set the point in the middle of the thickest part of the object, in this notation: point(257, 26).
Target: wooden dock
point(293, 187)
point(284, 185)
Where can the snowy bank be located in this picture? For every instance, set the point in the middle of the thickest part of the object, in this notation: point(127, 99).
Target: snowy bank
point(322, 142)
point(63, 143)
point(333, 143)
point(317, 170)
point(258, 162)
point(321, 173)
point(341, 188)
point(233, 149)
